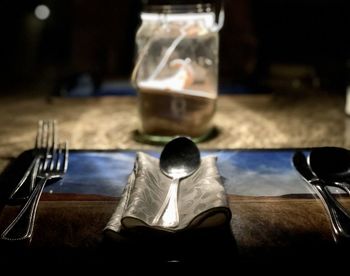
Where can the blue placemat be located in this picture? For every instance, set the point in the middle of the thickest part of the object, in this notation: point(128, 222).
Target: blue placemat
point(244, 173)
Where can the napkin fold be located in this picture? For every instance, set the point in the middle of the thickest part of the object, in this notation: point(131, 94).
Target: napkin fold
point(202, 201)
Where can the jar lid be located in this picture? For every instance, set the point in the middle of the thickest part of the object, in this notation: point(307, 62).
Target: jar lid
point(177, 6)
point(176, 2)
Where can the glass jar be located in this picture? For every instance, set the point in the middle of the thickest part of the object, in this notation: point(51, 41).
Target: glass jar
point(176, 71)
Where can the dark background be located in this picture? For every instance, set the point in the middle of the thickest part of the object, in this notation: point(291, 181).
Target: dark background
point(265, 44)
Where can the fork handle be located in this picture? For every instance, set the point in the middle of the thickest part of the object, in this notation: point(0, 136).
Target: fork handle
point(21, 228)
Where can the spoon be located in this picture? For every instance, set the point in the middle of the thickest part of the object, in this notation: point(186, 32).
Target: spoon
point(179, 159)
point(332, 164)
point(339, 217)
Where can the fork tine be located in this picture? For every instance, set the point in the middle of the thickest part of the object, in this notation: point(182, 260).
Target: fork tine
point(45, 149)
point(39, 136)
point(58, 158)
point(65, 160)
point(53, 142)
point(50, 137)
point(62, 157)
point(45, 134)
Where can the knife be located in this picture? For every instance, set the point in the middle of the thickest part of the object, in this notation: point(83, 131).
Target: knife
point(340, 219)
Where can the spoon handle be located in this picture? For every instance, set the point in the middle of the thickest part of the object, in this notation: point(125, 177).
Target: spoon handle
point(345, 186)
point(169, 209)
point(338, 216)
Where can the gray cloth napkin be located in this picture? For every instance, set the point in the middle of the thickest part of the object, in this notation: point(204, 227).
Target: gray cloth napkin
point(202, 201)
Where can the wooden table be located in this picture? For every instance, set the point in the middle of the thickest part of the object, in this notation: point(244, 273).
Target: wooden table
point(244, 121)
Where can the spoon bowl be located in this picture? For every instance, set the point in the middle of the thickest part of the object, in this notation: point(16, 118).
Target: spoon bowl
point(179, 159)
point(331, 164)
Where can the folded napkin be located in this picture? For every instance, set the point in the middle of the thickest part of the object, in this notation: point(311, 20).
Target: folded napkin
point(202, 201)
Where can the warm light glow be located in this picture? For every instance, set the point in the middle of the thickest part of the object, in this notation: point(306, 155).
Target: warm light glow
point(42, 12)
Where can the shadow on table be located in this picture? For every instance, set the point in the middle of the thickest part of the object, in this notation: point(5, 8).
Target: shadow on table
point(197, 250)
point(214, 245)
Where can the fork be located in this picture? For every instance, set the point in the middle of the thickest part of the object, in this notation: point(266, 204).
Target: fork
point(45, 138)
point(52, 166)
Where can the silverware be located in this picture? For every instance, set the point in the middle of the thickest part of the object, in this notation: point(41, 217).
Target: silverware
point(52, 166)
point(45, 138)
point(339, 217)
point(179, 159)
point(332, 164)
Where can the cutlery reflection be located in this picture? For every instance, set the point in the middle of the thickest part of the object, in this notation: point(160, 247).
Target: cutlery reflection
point(45, 138)
point(339, 217)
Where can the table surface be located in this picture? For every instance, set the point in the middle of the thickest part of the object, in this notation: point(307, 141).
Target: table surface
point(245, 122)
